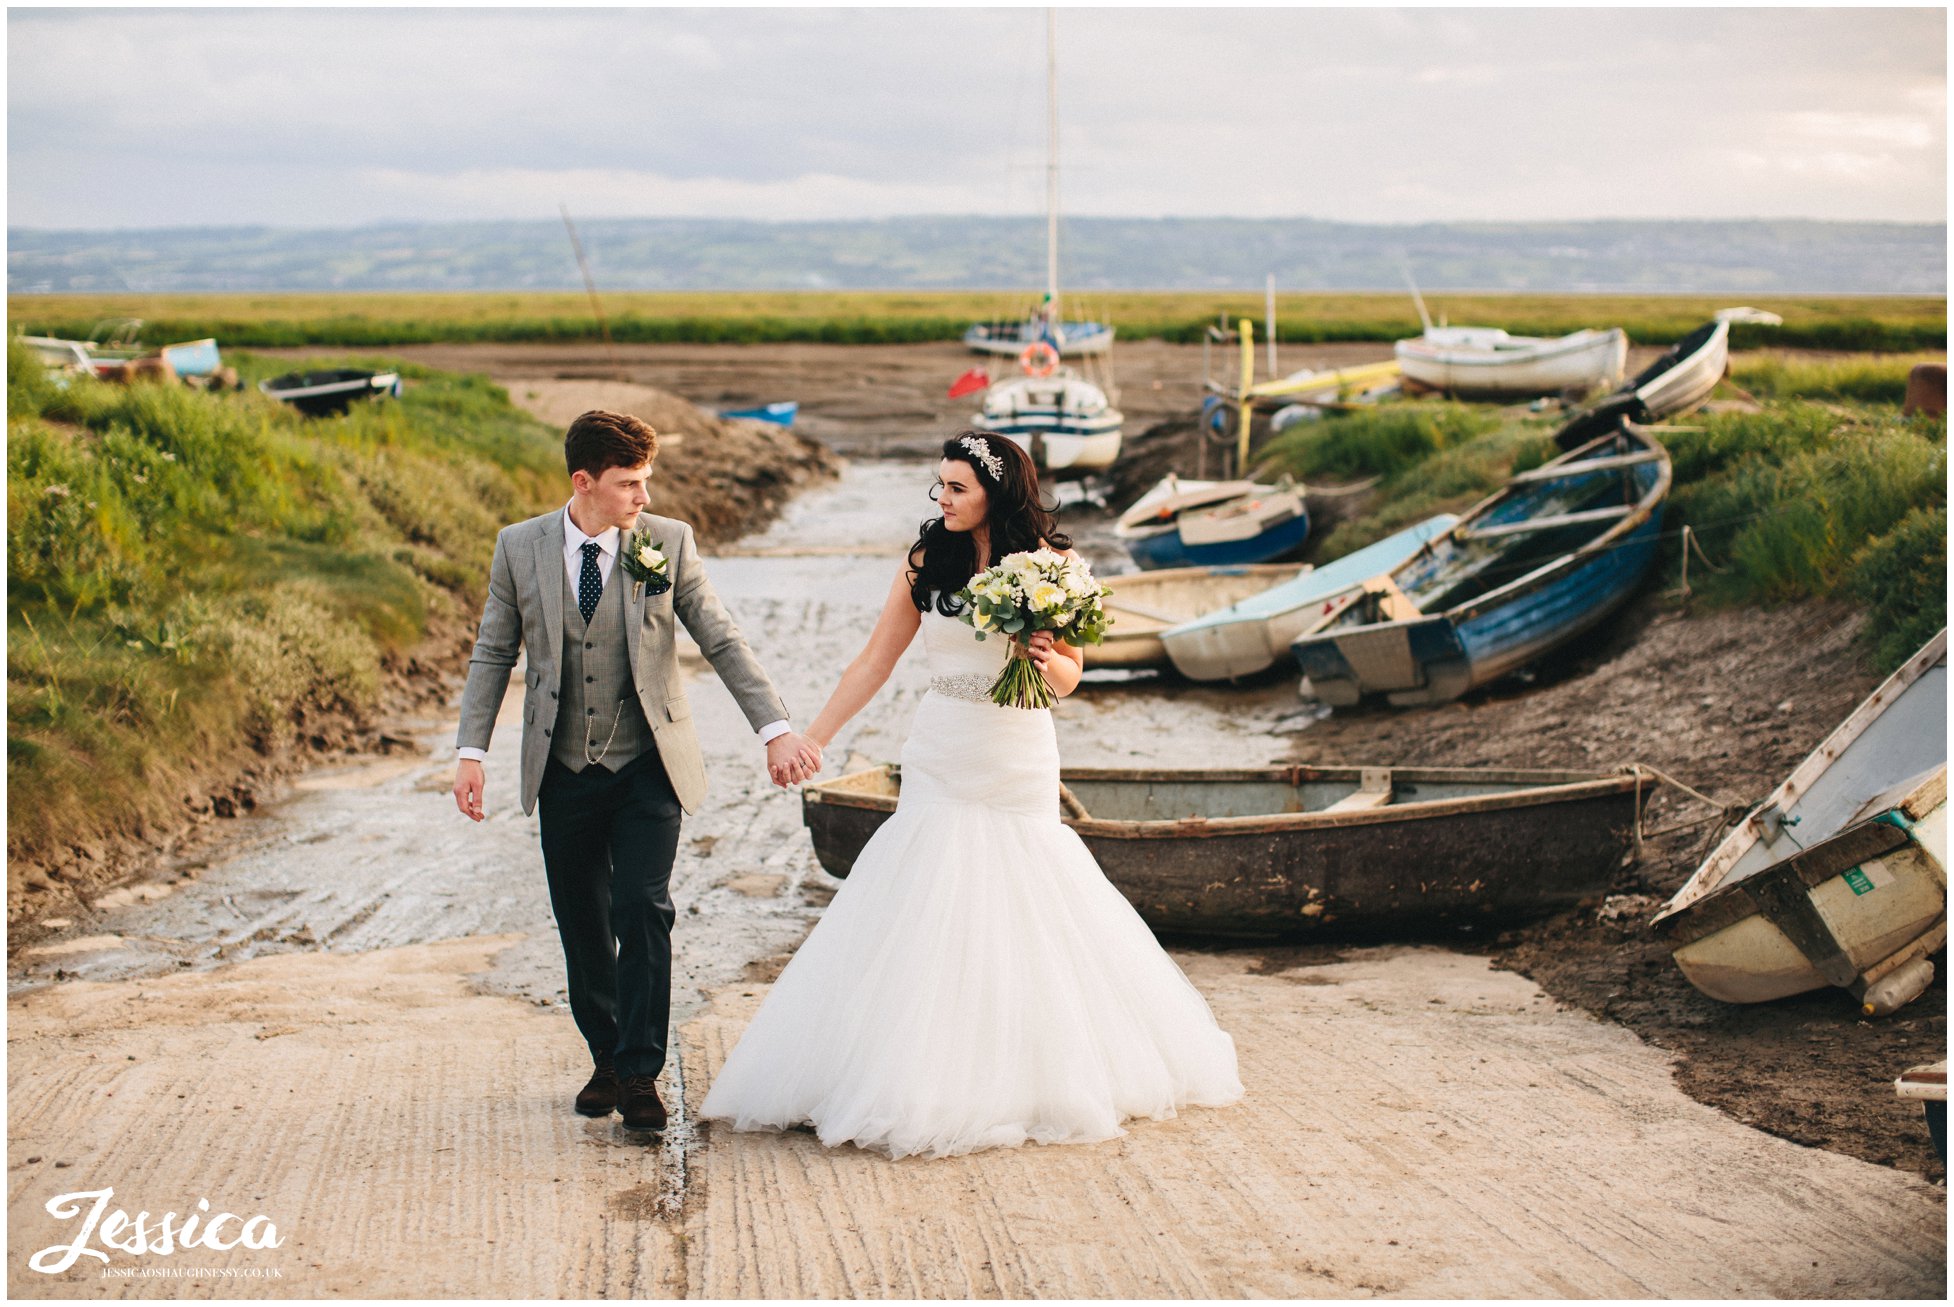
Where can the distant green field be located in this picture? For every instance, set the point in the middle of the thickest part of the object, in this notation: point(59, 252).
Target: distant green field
point(1862, 323)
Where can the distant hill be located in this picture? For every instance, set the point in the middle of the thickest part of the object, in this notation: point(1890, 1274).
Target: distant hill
point(1756, 257)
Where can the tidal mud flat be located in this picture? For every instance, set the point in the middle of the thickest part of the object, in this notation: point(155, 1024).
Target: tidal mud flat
point(352, 1019)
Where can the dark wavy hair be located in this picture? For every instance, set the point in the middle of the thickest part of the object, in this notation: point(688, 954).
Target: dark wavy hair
point(942, 561)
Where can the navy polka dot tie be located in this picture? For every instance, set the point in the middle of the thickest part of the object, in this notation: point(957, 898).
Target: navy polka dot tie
point(590, 582)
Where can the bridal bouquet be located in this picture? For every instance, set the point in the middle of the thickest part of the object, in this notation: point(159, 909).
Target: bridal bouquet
point(1041, 590)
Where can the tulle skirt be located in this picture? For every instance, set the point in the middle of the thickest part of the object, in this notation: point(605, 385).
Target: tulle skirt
point(976, 981)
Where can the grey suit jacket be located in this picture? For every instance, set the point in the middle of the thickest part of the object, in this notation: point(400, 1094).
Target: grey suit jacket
point(525, 609)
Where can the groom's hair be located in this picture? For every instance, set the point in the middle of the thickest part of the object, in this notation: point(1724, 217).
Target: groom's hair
point(599, 440)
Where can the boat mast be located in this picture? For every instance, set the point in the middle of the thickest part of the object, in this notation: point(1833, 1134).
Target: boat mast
point(1051, 166)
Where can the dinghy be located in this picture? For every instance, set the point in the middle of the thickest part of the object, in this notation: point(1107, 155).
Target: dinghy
point(1213, 523)
point(1066, 423)
point(1314, 852)
point(1486, 363)
point(1675, 383)
point(781, 413)
point(332, 390)
point(1255, 633)
point(1145, 604)
point(1840, 877)
point(1551, 554)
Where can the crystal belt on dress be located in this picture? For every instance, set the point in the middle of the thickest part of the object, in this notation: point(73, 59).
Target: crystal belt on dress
point(972, 687)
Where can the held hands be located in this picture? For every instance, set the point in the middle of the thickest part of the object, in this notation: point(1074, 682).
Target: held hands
point(792, 758)
point(468, 788)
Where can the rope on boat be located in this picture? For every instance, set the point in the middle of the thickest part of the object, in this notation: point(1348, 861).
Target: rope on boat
point(1730, 813)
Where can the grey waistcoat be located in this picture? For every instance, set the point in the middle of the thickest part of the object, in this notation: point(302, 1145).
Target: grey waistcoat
point(597, 687)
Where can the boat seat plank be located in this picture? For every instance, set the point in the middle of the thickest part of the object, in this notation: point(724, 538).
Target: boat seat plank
point(1373, 791)
point(1543, 523)
point(1393, 604)
point(1558, 471)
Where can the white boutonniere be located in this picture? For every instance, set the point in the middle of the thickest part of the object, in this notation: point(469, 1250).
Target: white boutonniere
point(645, 559)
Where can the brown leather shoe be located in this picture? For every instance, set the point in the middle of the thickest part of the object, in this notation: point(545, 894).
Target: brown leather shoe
point(638, 1100)
point(599, 1097)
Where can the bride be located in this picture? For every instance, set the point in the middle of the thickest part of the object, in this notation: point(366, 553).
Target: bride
point(976, 982)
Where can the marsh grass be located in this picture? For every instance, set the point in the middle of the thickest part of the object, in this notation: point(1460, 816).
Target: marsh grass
point(1870, 379)
point(1431, 456)
point(368, 320)
point(196, 577)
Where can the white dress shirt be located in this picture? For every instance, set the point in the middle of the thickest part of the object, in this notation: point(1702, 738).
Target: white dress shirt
point(574, 540)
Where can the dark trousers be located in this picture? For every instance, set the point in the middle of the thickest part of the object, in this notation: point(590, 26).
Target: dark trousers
point(608, 843)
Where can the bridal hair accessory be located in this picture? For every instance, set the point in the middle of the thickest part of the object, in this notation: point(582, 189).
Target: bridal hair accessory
point(992, 463)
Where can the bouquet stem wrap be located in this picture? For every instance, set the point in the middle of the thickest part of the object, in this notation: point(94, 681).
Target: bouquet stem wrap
point(1024, 593)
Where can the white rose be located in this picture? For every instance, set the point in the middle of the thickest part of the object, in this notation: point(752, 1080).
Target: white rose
point(1046, 597)
point(651, 557)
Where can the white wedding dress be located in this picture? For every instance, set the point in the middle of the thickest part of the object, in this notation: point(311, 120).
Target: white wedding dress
point(976, 982)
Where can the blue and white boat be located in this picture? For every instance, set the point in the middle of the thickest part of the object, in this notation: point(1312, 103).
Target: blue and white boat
point(781, 413)
point(193, 358)
point(1213, 523)
point(1255, 634)
point(1555, 551)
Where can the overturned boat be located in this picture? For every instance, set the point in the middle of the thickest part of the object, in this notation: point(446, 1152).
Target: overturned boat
point(332, 390)
point(1287, 852)
point(1840, 876)
point(1677, 382)
point(1554, 552)
point(1254, 634)
point(1213, 523)
point(1144, 604)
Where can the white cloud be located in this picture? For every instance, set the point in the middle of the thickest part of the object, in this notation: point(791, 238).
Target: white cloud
point(331, 115)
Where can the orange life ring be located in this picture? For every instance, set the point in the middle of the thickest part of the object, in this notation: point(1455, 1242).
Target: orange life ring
point(1038, 350)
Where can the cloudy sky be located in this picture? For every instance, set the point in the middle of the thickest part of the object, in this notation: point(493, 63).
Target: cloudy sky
point(323, 117)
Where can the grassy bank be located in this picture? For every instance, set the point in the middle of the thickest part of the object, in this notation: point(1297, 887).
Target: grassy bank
point(1828, 492)
point(876, 317)
point(196, 579)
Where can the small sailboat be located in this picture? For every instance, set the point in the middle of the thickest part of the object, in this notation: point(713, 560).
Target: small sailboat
point(1213, 523)
point(1840, 876)
point(1254, 634)
point(1070, 339)
point(1548, 556)
point(1313, 852)
point(1144, 604)
point(1066, 418)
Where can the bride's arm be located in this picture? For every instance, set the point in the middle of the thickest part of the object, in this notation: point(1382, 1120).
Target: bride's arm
point(1060, 663)
point(893, 631)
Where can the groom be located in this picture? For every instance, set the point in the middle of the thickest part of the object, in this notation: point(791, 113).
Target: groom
point(591, 592)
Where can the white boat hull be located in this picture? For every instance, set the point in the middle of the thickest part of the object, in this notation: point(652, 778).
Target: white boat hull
point(1065, 423)
point(1516, 366)
point(1840, 876)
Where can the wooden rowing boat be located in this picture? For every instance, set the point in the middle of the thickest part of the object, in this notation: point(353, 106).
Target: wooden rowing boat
point(1213, 523)
point(1289, 852)
point(1485, 362)
point(1839, 877)
point(1144, 604)
point(1551, 554)
point(1254, 634)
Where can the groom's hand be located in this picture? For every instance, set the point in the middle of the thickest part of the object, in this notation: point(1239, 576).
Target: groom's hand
point(792, 758)
point(468, 788)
